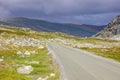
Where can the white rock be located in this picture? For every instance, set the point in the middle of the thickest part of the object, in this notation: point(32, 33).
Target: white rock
point(27, 53)
point(47, 77)
point(44, 79)
point(41, 47)
point(1, 60)
point(25, 70)
point(52, 74)
point(19, 52)
point(39, 78)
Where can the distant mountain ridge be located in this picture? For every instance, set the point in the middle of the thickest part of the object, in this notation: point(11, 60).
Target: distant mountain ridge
point(47, 26)
point(112, 30)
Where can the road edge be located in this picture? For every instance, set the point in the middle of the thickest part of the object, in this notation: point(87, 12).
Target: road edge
point(58, 63)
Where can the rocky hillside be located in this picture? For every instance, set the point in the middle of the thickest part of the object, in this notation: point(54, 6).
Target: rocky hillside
point(47, 26)
point(112, 30)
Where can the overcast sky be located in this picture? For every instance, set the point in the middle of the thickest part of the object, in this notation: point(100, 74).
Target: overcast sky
point(67, 11)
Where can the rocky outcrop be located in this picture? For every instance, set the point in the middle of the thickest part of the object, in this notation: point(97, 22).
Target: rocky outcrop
point(116, 37)
point(112, 29)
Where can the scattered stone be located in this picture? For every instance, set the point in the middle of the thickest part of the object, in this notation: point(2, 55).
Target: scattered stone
point(47, 77)
point(1, 60)
point(19, 52)
point(44, 79)
point(52, 75)
point(27, 53)
point(41, 47)
point(25, 70)
point(39, 78)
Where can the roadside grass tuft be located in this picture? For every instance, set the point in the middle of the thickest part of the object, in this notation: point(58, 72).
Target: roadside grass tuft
point(113, 53)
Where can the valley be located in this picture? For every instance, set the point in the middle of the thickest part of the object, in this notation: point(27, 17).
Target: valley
point(48, 26)
point(24, 52)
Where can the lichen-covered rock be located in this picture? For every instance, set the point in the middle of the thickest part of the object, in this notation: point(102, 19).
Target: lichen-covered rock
point(19, 52)
point(116, 37)
point(39, 78)
point(1, 60)
point(27, 53)
point(41, 47)
point(25, 70)
point(52, 75)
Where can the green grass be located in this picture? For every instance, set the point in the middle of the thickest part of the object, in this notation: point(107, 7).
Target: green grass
point(11, 60)
point(14, 31)
point(112, 53)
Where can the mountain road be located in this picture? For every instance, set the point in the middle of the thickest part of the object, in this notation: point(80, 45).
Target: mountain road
point(76, 64)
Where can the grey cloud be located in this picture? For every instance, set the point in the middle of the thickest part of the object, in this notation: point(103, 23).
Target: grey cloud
point(68, 7)
point(97, 19)
point(4, 12)
point(62, 9)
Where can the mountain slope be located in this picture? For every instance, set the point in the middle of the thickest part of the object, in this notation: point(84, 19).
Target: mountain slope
point(42, 25)
point(112, 29)
point(93, 28)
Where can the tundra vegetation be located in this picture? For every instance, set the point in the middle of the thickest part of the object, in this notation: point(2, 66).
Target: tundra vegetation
point(24, 56)
point(108, 48)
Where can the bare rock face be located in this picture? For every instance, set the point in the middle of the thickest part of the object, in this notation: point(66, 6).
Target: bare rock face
point(112, 29)
point(116, 37)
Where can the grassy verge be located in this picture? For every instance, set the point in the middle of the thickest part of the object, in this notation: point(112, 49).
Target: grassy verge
point(8, 67)
point(41, 62)
point(113, 53)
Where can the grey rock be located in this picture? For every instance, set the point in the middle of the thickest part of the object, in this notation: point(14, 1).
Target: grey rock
point(112, 29)
point(25, 70)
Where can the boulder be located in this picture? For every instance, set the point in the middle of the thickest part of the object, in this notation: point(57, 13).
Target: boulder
point(25, 70)
point(52, 74)
point(27, 53)
point(1, 60)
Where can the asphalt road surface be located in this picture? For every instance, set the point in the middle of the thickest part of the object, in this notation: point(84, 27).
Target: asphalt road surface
point(76, 64)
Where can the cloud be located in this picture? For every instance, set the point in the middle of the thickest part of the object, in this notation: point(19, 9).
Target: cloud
point(4, 12)
point(59, 8)
point(98, 19)
point(62, 7)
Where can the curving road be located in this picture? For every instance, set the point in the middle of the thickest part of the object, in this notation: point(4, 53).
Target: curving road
point(76, 64)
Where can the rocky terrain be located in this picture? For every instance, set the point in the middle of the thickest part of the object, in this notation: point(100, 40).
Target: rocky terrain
point(112, 30)
point(24, 56)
